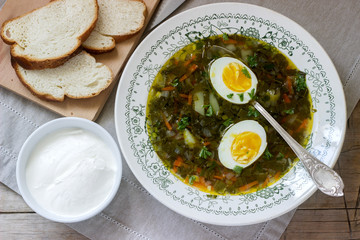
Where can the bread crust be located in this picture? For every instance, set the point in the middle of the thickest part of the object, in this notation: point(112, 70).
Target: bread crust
point(46, 97)
point(99, 50)
point(34, 63)
point(48, 63)
point(119, 38)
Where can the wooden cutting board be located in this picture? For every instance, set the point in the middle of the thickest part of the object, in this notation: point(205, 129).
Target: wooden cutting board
point(85, 108)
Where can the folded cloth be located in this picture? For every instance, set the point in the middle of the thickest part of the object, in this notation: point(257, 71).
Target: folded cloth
point(134, 213)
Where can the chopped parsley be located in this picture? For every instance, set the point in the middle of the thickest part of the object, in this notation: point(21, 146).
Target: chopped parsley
point(228, 122)
point(230, 95)
point(209, 110)
point(183, 123)
point(175, 82)
point(252, 93)
point(300, 82)
point(245, 72)
point(225, 37)
point(192, 179)
point(238, 170)
point(252, 61)
point(252, 112)
point(241, 96)
point(289, 111)
point(205, 153)
point(267, 154)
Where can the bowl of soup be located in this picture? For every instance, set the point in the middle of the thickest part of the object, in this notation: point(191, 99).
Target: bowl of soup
point(187, 128)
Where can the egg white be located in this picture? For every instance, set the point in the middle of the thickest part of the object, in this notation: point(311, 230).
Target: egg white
point(224, 149)
point(216, 71)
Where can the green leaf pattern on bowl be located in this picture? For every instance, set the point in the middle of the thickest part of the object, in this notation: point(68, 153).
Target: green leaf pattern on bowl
point(181, 36)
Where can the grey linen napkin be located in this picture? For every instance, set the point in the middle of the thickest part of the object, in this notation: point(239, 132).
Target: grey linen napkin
point(134, 213)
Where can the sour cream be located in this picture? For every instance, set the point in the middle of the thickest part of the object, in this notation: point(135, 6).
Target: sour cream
point(70, 172)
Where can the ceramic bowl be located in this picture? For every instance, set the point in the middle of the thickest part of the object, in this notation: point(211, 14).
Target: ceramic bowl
point(291, 39)
point(49, 128)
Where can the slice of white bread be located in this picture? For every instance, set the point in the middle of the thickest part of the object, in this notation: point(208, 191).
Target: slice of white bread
point(48, 36)
point(118, 19)
point(98, 43)
point(80, 77)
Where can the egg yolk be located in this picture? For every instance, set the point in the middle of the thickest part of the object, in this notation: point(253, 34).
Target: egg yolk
point(245, 147)
point(234, 77)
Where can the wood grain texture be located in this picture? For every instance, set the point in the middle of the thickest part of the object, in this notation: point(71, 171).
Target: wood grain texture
point(32, 226)
point(320, 217)
point(10, 202)
point(323, 217)
point(86, 108)
point(18, 221)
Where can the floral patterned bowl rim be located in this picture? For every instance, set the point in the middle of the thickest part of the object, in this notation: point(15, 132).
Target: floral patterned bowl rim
point(323, 81)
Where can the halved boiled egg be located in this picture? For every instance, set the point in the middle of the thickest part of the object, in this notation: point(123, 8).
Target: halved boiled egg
point(233, 80)
point(242, 144)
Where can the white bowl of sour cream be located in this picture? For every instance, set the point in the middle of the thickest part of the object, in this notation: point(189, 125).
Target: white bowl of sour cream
point(69, 169)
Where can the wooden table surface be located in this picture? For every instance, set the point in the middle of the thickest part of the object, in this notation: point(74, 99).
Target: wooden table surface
point(320, 217)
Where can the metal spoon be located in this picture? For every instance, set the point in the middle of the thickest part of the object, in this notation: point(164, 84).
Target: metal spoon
point(326, 179)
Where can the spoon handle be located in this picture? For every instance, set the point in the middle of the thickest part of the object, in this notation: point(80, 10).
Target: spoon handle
point(326, 179)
